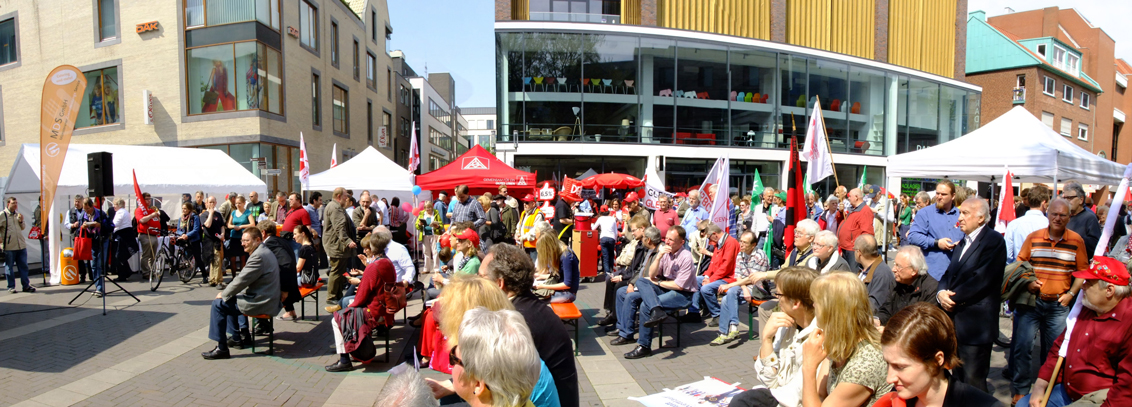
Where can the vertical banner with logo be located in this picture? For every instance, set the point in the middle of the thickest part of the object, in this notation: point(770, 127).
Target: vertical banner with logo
point(62, 95)
point(304, 163)
point(715, 191)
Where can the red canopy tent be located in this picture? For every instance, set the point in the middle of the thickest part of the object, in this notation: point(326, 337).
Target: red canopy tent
point(480, 171)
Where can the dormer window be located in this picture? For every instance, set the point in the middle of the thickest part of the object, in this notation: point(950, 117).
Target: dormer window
point(1042, 50)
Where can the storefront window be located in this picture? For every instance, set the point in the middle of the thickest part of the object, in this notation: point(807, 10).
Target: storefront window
point(701, 98)
point(923, 114)
point(101, 105)
point(658, 58)
point(213, 73)
point(952, 112)
point(752, 100)
point(828, 84)
point(610, 61)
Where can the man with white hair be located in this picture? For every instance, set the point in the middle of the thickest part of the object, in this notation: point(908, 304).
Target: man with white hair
point(495, 363)
point(695, 212)
point(970, 291)
point(858, 221)
point(406, 389)
point(399, 255)
point(913, 284)
point(826, 258)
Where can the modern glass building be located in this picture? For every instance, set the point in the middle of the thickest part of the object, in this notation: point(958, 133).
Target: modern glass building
point(575, 96)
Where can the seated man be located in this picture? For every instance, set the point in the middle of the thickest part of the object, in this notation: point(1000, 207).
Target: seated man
point(826, 258)
point(750, 267)
point(913, 283)
point(254, 290)
point(670, 283)
point(720, 272)
point(1097, 369)
point(874, 271)
point(628, 297)
point(628, 264)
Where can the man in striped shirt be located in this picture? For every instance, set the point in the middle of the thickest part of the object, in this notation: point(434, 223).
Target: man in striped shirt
point(1055, 252)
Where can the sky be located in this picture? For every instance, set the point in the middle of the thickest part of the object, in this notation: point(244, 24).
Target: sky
point(1110, 15)
point(454, 36)
point(457, 36)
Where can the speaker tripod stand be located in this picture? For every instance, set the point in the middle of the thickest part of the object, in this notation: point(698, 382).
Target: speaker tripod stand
point(102, 279)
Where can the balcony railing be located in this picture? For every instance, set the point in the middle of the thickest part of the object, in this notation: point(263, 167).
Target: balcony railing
point(1020, 94)
point(576, 17)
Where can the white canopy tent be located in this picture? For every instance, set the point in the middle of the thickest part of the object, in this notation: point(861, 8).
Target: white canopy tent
point(1032, 150)
point(368, 171)
point(163, 172)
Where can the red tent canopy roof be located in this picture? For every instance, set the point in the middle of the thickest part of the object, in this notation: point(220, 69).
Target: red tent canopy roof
point(478, 169)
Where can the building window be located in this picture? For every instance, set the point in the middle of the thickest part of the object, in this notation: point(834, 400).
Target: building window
point(1085, 100)
point(201, 13)
point(1066, 127)
point(1042, 50)
point(1071, 64)
point(389, 81)
point(373, 24)
point(1049, 85)
point(1047, 119)
point(490, 125)
point(440, 139)
point(101, 105)
point(334, 43)
point(371, 71)
point(356, 61)
point(386, 119)
point(8, 41)
point(107, 23)
point(1067, 93)
point(369, 122)
point(316, 100)
point(405, 128)
point(241, 76)
point(308, 25)
point(404, 95)
point(341, 110)
point(1082, 132)
point(439, 113)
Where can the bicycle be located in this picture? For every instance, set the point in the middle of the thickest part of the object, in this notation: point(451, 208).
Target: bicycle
point(174, 257)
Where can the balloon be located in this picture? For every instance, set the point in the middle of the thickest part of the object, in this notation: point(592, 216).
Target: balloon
point(416, 211)
point(416, 190)
point(407, 207)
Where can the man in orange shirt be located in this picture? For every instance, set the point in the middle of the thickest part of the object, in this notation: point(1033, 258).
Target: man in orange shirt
point(858, 221)
point(1055, 252)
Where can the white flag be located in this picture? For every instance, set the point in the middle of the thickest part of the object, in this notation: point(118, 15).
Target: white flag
point(718, 204)
point(334, 156)
point(654, 189)
point(414, 155)
point(816, 151)
point(304, 163)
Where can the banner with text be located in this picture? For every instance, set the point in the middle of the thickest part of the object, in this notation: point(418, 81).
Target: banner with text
point(62, 95)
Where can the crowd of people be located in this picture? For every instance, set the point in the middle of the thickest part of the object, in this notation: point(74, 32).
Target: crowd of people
point(837, 323)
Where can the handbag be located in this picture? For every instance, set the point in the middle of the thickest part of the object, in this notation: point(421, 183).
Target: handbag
point(394, 298)
point(546, 292)
point(35, 233)
point(83, 246)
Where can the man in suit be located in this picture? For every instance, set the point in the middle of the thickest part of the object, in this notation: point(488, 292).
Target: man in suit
point(253, 291)
point(969, 291)
point(338, 245)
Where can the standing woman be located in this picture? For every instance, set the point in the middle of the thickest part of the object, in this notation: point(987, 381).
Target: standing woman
point(238, 220)
point(487, 230)
point(213, 241)
point(905, 219)
point(124, 241)
point(607, 224)
point(856, 374)
point(558, 265)
point(746, 216)
point(189, 234)
point(920, 347)
point(428, 223)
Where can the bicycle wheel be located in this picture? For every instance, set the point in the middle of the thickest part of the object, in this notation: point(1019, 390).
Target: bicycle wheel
point(160, 261)
point(186, 266)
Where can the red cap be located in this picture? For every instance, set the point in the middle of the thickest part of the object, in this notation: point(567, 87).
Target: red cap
point(529, 198)
point(1105, 268)
point(681, 195)
point(445, 240)
point(632, 196)
point(604, 208)
point(470, 233)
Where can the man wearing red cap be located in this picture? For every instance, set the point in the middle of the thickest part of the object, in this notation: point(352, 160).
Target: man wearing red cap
point(1097, 369)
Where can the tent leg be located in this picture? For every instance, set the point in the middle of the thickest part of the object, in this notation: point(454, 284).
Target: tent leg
point(1056, 169)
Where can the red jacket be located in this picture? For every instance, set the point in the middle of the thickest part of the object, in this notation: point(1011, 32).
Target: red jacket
point(856, 224)
point(723, 261)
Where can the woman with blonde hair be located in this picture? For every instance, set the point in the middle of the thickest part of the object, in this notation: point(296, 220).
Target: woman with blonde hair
point(855, 371)
point(556, 271)
point(465, 293)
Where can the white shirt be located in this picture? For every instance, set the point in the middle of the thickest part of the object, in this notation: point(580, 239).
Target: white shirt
point(384, 209)
point(608, 226)
point(969, 239)
point(402, 262)
point(123, 220)
point(782, 372)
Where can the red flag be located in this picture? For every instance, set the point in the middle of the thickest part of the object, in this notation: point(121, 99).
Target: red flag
point(1005, 203)
point(796, 210)
point(138, 193)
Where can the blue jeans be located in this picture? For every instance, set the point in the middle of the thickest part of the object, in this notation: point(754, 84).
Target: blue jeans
point(562, 296)
point(729, 315)
point(97, 265)
point(626, 307)
point(653, 296)
point(226, 316)
point(608, 248)
point(1049, 316)
point(707, 293)
point(1057, 398)
point(17, 261)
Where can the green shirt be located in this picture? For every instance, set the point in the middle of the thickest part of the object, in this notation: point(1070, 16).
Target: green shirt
point(472, 266)
point(906, 216)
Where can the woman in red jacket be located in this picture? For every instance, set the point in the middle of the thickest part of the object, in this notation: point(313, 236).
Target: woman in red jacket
point(370, 299)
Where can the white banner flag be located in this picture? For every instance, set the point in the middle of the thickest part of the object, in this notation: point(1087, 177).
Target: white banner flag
point(653, 191)
point(718, 204)
point(304, 163)
point(334, 156)
point(816, 151)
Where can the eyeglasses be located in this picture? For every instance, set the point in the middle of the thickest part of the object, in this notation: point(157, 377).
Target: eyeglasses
point(1070, 198)
point(776, 294)
point(452, 359)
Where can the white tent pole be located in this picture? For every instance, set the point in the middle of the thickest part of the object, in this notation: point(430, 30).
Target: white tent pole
point(884, 217)
point(1056, 158)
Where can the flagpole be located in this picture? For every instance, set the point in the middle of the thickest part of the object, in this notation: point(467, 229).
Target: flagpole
point(817, 102)
point(1049, 387)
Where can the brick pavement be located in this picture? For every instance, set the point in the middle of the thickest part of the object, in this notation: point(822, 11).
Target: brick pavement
point(89, 352)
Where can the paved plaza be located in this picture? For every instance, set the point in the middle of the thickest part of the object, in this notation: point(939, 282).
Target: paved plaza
point(148, 353)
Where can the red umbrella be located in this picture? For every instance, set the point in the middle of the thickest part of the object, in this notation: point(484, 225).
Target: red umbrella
point(612, 180)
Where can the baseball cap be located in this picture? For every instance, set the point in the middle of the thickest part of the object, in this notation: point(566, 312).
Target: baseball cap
point(631, 197)
point(1105, 268)
point(470, 233)
point(681, 195)
point(529, 198)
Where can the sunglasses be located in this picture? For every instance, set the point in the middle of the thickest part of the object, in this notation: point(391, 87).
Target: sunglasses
point(452, 359)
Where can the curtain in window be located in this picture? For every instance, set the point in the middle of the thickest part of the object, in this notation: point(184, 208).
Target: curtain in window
point(227, 11)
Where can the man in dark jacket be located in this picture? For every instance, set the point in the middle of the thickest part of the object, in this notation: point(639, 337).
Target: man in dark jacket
point(1082, 220)
point(913, 283)
point(288, 276)
point(625, 275)
point(513, 270)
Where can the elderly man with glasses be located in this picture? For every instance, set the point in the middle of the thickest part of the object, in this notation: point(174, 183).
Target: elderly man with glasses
point(913, 284)
point(750, 268)
point(1082, 219)
point(826, 258)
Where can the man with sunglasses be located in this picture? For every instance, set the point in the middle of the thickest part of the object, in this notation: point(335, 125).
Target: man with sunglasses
point(1081, 219)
